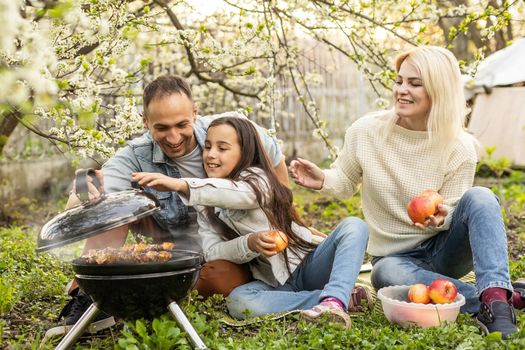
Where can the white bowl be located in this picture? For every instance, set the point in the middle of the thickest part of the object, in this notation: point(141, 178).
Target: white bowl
point(398, 310)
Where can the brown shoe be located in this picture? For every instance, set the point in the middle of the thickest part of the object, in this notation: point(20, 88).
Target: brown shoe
point(361, 299)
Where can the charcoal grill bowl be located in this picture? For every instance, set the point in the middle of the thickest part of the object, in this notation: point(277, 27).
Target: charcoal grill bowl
point(143, 295)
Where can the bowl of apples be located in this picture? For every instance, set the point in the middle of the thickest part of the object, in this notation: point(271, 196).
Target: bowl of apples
point(421, 305)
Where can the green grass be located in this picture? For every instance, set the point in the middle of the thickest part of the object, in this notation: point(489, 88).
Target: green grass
point(32, 294)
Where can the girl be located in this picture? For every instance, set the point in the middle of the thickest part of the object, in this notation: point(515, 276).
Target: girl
point(420, 145)
point(240, 202)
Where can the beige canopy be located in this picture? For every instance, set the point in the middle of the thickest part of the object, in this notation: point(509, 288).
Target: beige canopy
point(498, 113)
point(498, 119)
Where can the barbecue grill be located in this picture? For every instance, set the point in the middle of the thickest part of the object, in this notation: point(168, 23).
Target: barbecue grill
point(124, 290)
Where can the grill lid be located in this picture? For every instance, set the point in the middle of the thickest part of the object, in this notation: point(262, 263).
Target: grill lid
point(95, 216)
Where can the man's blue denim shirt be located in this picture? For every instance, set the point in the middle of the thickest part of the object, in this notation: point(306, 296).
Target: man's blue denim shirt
point(144, 155)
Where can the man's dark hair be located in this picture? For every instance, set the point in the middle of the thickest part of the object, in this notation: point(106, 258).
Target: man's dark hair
point(165, 85)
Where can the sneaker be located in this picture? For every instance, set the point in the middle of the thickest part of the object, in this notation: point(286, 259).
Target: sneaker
point(361, 299)
point(72, 312)
point(332, 309)
point(497, 316)
point(519, 286)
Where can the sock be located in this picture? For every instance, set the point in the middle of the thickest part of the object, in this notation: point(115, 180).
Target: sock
point(518, 301)
point(72, 288)
point(337, 301)
point(492, 294)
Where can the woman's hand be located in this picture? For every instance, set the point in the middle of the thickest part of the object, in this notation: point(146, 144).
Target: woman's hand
point(263, 243)
point(436, 219)
point(306, 174)
point(159, 181)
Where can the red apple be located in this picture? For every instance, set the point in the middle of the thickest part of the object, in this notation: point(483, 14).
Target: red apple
point(434, 197)
point(418, 293)
point(424, 205)
point(280, 240)
point(442, 291)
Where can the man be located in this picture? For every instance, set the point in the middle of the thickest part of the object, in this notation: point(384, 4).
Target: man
point(172, 146)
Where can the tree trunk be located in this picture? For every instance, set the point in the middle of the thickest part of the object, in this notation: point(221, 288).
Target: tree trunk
point(460, 43)
point(8, 123)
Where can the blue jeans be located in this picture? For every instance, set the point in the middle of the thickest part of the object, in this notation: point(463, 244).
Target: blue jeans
point(329, 271)
point(475, 240)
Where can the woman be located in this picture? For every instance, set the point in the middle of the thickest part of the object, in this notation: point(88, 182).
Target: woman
point(240, 202)
point(420, 144)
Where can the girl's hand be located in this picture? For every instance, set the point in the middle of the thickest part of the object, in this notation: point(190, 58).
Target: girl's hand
point(158, 181)
point(306, 174)
point(317, 236)
point(317, 233)
point(263, 243)
point(436, 219)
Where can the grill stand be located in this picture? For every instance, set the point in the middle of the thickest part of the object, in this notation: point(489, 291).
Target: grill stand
point(78, 329)
point(186, 326)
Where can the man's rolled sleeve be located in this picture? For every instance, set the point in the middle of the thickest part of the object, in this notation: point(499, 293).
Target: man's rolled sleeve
point(271, 144)
point(117, 170)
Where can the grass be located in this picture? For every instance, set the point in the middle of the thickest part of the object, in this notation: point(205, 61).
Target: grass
point(32, 294)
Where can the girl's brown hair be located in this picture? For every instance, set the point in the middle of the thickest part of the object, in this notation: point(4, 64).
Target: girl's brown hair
point(276, 200)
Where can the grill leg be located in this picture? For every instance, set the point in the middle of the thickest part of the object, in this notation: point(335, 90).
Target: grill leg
point(79, 328)
point(186, 326)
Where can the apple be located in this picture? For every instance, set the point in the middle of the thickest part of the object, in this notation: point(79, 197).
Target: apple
point(418, 293)
point(442, 291)
point(424, 205)
point(434, 197)
point(280, 240)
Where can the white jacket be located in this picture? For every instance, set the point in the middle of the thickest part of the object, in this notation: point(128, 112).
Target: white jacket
point(237, 207)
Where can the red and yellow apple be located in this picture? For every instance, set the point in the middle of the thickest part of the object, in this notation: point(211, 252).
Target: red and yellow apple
point(442, 291)
point(434, 197)
point(418, 293)
point(280, 240)
point(424, 205)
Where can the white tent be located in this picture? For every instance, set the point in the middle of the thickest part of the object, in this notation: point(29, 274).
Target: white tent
point(498, 113)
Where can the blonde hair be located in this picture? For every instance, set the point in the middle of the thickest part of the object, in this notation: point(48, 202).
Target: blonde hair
point(439, 70)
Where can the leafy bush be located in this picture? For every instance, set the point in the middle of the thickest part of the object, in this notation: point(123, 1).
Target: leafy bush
point(22, 269)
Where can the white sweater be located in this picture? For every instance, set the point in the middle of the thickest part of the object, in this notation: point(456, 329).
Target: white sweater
point(391, 173)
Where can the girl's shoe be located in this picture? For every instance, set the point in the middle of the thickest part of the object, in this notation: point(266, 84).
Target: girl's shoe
point(361, 299)
point(331, 309)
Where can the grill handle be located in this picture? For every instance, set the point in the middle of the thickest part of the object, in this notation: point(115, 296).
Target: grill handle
point(81, 185)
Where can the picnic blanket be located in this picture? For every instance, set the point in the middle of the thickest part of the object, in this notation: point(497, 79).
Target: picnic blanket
point(363, 279)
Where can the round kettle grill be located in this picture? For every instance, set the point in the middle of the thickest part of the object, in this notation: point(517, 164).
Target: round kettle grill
point(124, 290)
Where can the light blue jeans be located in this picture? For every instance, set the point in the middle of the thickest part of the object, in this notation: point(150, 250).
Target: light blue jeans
point(329, 271)
point(476, 240)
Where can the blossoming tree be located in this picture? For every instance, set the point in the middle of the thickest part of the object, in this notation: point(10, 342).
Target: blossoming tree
point(73, 71)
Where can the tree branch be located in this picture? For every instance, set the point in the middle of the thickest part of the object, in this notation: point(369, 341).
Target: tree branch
point(191, 58)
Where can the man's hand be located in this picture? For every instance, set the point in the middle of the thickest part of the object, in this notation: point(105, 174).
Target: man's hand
point(282, 173)
point(436, 219)
point(306, 174)
point(263, 243)
point(93, 191)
